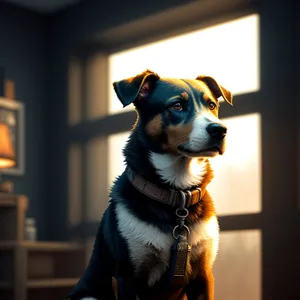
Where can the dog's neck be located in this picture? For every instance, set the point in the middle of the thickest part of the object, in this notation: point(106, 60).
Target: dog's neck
point(180, 172)
point(165, 169)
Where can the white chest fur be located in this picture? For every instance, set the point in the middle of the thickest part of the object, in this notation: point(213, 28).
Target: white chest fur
point(145, 240)
point(182, 172)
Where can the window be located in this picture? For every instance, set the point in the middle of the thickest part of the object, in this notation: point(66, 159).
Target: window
point(236, 187)
point(230, 53)
point(116, 166)
point(237, 270)
point(75, 185)
point(96, 191)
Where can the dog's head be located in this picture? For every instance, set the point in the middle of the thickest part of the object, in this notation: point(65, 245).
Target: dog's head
point(178, 116)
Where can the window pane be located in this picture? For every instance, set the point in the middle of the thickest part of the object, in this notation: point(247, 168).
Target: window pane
point(74, 91)
point(116, 165)
point(236, 188)
point(96, 101)
point(96, 188)
point(229, 52)
point(237, 270)
point(75, 184)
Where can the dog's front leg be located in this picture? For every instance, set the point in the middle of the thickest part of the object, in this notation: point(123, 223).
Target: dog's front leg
point(201, 288)
point(96, 283)
point(209, 293)
point(203, 282)
point(126, 288)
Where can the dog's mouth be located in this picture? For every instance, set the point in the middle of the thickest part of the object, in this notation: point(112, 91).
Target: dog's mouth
point(207, 152)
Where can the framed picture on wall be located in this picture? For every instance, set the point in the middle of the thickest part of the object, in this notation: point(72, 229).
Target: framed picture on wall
point(12, 114)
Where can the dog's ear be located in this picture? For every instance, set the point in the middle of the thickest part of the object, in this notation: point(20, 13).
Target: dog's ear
point(134, 89)
point(216, 89)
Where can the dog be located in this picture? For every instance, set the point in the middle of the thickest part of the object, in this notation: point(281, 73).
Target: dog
point(159, 237)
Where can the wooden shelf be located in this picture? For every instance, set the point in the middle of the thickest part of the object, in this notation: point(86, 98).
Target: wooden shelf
point(12, 213)
point(43, 283)
point(5, 285)
point(7, 199)
point(41, 246)
point(51, 246)
point(4, 196)
point(7, 202)
point(7, 245)
point(34, 270)
point(52, 283)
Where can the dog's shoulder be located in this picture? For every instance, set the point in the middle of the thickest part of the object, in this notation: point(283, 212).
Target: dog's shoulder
point(149, 247)
point(113, 237)
point(133, 228)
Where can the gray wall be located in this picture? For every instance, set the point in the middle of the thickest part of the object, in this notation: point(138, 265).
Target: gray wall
point(23, 55)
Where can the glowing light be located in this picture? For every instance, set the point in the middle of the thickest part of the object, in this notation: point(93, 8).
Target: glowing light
point(229, 52)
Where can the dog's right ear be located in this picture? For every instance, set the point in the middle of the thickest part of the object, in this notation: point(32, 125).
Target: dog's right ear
point(136, 88)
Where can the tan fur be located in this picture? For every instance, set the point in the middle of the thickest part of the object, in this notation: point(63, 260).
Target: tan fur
point(154, 127)
point(177, 135)
point(205, 209)
point(206, 272)
point(185, 96)
point(216, 89)
point(206, 97)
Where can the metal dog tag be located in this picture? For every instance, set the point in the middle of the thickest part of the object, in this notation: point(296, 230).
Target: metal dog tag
point(179, 258)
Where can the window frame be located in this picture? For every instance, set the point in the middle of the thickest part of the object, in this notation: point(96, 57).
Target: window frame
point(86, 130)
point(279, 219)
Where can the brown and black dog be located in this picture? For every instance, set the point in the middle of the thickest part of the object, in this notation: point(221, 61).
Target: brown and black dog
point(159, 236)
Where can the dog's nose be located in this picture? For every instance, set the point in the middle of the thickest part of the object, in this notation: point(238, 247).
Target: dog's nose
point(217, 131)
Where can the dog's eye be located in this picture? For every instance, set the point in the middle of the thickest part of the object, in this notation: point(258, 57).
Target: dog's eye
point(177, 106)
point(212, 105)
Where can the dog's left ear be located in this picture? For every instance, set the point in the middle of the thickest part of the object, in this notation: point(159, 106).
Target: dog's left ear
point(134, 89)
point(216, 89)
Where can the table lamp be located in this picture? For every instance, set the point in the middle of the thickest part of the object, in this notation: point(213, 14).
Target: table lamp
point(7, 155)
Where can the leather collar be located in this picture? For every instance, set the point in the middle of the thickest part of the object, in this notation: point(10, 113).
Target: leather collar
point(166, 196)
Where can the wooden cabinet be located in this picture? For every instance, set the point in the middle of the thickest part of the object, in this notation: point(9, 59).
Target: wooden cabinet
point(34, 270)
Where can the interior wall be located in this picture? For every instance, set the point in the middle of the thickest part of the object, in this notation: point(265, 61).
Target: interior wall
point(23, 54)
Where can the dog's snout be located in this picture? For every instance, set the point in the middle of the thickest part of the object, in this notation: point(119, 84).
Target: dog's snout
point(217, 131)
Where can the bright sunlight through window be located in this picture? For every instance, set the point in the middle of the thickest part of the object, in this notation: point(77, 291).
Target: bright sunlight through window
point(229, 52)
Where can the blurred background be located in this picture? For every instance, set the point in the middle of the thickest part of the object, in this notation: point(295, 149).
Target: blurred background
point(62, 130)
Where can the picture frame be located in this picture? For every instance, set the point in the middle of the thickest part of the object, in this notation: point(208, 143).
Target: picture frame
point(12, 113)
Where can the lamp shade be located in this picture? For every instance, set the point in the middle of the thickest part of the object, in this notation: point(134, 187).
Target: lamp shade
point(7, 155)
